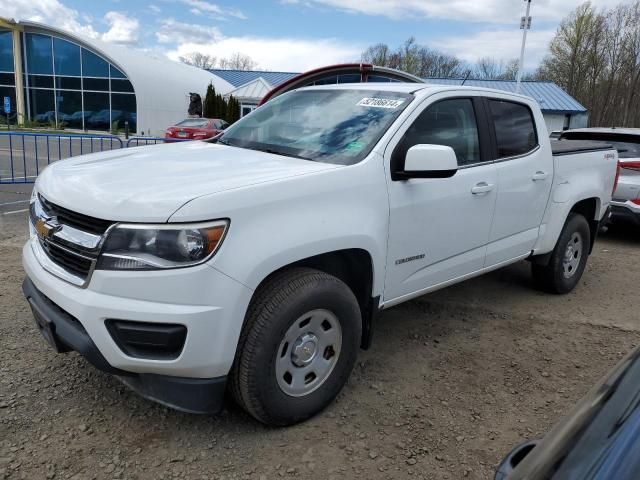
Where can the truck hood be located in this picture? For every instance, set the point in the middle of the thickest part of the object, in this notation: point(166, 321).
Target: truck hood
point(148, 184)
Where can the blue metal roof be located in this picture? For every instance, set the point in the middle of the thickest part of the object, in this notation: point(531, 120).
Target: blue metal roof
point(240, 77)
point(549, 95)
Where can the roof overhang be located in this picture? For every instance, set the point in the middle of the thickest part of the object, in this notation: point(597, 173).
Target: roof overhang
point(10, 24)
point(252, 90)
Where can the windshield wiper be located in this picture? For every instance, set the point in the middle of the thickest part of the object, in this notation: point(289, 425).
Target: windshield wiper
point(265, 150)
point(279, 152)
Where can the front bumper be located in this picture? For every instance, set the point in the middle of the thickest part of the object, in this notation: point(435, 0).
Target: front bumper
point(208, 303)
point(627, 212)
point(65, 333)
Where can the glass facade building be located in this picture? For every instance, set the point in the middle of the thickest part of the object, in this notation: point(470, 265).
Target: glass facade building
point(7, 76)
point(67, 84)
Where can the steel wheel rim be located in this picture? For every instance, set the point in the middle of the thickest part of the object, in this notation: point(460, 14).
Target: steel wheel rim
point(308, 353)
point(572, 255)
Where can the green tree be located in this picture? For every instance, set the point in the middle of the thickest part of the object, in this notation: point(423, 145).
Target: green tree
point(209, 107)
point(221, 107)
point(233, 109)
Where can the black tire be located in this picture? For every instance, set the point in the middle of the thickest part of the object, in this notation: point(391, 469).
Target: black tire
point(279, 303)
point(553, 277)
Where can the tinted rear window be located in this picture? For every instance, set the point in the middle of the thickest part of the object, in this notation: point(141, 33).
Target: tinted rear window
point(515, 129)
point(193, 122)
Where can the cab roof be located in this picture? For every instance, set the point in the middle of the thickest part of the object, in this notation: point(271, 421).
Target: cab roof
point(411, 88)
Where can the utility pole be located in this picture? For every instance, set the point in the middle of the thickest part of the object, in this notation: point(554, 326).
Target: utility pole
point(525, 25)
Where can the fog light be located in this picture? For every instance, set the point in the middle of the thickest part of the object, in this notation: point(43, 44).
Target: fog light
point(157, 341)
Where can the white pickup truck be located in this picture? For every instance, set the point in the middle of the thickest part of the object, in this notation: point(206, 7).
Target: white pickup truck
point(256, 262)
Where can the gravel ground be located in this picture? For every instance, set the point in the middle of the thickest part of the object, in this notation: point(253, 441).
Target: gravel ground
point(453, 381)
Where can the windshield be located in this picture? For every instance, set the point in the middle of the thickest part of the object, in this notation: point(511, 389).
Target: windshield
point(626, 149)
point(331, 126)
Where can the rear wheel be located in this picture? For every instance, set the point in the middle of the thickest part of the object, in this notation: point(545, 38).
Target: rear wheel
point(298, 346)
point(568, 259)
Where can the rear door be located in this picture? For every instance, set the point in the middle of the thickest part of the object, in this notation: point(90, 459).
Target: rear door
point(439, 227)
point(524, 167)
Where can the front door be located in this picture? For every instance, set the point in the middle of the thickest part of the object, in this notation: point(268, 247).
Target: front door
point(439, 227)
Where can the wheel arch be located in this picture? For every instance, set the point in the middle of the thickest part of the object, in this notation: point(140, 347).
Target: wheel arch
point(589, 209)
point(353, 266)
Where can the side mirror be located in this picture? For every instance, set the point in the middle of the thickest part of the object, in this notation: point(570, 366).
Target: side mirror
point(428, 161)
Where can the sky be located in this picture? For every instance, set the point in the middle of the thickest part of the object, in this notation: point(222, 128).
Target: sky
point(297, 35)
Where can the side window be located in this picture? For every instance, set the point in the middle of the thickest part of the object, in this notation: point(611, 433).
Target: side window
point(449, 122)
point(515, 129)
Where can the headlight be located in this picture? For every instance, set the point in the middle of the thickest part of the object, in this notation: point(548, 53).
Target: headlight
point(152, 247)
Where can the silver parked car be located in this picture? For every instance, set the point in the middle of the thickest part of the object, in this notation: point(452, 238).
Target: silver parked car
point(626, 198)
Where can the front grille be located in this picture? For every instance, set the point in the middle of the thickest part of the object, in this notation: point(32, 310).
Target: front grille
point(69, 260)
point(75, 259)
point(67, 217)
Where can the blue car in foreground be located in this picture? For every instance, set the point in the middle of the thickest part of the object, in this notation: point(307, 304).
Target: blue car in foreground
point(598, 440)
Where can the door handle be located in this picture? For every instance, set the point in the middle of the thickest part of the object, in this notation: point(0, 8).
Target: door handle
point(482, 188)
point(539, 175)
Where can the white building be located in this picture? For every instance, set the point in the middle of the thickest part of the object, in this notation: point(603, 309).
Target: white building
point(84, 83)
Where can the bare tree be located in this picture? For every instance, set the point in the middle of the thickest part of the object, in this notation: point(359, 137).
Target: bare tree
point(489, 68)
point(416, 59)
point(238, 61)
point(436, 64)
point(378, 54)
point(595, 56)
point(199, 60)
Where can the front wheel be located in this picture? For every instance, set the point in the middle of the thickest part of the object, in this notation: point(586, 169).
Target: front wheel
point(298, 346)
point(568, 259)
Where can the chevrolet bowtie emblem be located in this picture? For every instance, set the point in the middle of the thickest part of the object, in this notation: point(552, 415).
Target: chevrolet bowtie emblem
point(46, 227)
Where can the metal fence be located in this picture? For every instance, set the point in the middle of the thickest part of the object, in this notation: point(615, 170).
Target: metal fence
point(24, 155)
point(142, 141)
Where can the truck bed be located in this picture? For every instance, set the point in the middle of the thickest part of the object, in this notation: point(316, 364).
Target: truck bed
point(570, 147)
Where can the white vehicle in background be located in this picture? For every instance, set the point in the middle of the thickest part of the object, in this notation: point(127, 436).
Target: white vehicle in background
point(625, 206)
point(256, 262)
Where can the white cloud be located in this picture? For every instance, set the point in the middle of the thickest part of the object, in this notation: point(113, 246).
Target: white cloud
point(284, 54)
point(154, 8)
point(491, 11)
point(51, 12)
point(500, 44)
point(172, 31)
point(213, 10)
point(123, 29)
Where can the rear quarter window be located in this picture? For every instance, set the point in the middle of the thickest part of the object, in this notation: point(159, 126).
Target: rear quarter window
point(515, 128)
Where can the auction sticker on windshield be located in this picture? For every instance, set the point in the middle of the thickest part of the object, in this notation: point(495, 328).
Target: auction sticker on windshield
point(380, 102)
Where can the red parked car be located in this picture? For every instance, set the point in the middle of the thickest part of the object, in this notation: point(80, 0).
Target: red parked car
point(196, 129)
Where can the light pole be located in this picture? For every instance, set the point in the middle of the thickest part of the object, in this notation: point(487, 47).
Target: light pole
point(525, 25)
